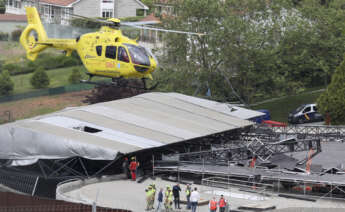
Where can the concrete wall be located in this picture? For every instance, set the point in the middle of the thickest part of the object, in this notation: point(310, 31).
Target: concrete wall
point(10, 26)
point(88, 8)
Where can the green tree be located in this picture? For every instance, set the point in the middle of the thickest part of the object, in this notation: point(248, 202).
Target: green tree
point(332, 102)
point(6, 83)
point(2, 6)
point(253, 48)
point(40, 78)
point(75, 76)
point(149, 4)
point(238, 55)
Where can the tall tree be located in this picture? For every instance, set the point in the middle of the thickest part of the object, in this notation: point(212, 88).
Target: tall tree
point(331, 103)
point(254, 48)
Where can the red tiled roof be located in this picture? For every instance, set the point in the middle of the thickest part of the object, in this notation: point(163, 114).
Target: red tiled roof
point(58, 2)
point(13, 17)
point(151, 17)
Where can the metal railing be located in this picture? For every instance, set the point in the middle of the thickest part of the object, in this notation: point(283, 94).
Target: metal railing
point(254, 179)
point(325, 133)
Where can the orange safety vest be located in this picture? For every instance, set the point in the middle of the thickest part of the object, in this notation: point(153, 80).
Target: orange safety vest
point(133, 166)
point(222, 203)
point(213, 205)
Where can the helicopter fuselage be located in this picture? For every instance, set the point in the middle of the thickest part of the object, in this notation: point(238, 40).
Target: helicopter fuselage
point(108, 53)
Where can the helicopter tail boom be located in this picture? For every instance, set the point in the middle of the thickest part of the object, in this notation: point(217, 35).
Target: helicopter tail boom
point(34, 38)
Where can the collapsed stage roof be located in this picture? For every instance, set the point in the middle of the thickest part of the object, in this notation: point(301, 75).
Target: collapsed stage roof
point(102, 130)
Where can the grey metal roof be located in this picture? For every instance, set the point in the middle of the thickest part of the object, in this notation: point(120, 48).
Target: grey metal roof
point(102, 130)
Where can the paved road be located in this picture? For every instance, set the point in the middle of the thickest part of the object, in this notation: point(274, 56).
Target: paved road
point(131, 195)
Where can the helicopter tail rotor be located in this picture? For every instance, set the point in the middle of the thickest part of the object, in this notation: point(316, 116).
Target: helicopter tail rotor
point(33, 34)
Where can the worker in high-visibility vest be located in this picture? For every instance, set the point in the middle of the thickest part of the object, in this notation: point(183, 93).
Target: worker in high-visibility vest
point(188, 192)
point(153, 195)
point(222, 204)
point(168, 199)
point(148, 197)
point(133, 167)
point(213, 205)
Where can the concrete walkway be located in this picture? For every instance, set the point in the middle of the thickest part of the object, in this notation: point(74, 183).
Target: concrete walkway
point(130, 195)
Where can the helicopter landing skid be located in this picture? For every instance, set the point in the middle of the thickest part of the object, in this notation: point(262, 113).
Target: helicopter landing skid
point(115, 84)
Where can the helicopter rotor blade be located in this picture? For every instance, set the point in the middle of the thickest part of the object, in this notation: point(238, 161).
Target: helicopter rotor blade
point(139, 26)
point(91, 19)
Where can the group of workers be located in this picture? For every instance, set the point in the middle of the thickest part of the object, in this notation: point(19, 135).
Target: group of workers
point(221, 204)
point(130, 168)
point(171, 194)
point(172, 197)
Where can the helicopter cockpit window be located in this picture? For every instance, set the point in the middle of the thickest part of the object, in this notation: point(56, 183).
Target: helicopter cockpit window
point(99, 50)
point(122, 55)
point(138, 55)
point(110, 52)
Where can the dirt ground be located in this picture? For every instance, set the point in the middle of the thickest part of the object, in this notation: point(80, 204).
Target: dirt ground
point(41, 105)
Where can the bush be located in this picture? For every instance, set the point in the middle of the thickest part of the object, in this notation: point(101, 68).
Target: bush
point(40, 78)
point(75, 76)
point(16, 34)
point(13, 68)
point(331, 103)
point(4, 36)
point(49, 61)
point(6, 84)
point(2, 7)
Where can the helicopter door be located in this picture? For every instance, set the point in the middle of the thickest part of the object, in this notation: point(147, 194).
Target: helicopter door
point(110, 61)
point(123, 61)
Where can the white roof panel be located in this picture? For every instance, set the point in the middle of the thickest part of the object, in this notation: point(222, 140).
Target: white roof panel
point(102, 130)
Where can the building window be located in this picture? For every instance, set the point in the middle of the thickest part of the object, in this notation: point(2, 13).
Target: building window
point(17, 4)
point(107, 13)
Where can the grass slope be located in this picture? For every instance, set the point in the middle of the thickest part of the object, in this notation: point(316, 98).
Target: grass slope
point(58, 77)
point(281, 108)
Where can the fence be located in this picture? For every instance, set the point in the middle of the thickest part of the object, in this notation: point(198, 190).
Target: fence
point(22, 183)
point(48, 92)
point(10, 202)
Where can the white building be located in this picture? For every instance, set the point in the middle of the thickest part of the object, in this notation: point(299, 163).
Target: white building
point(58, 11)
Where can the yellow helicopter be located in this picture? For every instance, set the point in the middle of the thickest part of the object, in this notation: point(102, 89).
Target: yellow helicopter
point(106, 53)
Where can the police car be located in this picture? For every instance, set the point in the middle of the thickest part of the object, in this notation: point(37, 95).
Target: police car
point(304, 114)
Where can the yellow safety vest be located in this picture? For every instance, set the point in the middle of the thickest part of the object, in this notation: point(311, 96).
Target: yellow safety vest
point(148, 193)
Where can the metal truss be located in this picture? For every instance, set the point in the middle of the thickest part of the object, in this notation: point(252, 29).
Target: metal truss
point(250, 148)
point(325, 133)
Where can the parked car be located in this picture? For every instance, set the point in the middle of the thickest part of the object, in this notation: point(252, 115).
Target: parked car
point(304, 114)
